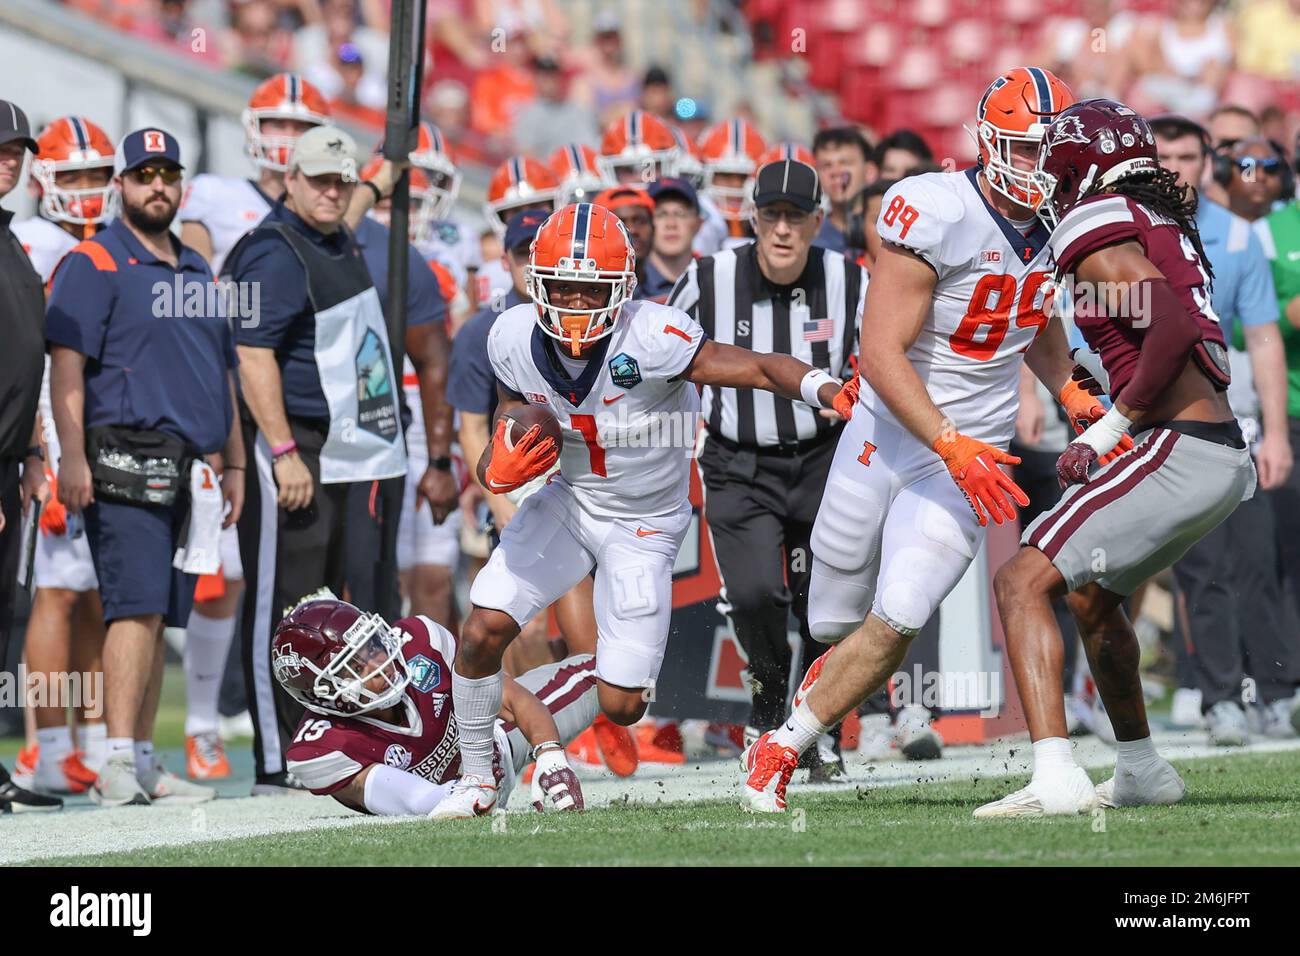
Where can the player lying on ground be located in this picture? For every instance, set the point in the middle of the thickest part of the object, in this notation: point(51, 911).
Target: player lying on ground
point(620, 377)
point(959, 296)
point(380, 732)
point(1124, 223)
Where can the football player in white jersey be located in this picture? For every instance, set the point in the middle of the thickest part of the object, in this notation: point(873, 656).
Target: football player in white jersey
point(619, 376)
point(960, 293)
point(72, 174)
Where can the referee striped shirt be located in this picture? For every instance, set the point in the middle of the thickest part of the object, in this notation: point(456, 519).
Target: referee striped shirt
point(816, 319)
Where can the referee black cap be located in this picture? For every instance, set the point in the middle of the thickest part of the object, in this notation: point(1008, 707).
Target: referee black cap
point(14, 126)
point(788, 180)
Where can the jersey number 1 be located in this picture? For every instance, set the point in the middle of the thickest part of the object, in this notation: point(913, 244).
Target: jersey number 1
point(586, 424)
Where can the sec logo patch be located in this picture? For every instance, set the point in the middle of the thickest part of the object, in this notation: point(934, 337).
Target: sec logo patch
point(425, 673)
point(624, 371)
point(397, 756)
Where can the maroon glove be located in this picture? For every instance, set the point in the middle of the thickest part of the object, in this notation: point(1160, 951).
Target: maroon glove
point(555, 785)
point(1072, 467)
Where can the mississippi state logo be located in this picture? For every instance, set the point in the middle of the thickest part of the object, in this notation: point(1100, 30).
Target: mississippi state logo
point(154, 141)
point(397, 756)
point(1068, 129)
point(425, 673)
point(624, 371)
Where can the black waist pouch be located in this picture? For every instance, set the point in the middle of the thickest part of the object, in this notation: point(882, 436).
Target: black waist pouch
point(138, 466)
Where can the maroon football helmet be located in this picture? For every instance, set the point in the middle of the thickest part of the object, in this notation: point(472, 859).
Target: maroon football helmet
point(326, 651)
point(1088, 146)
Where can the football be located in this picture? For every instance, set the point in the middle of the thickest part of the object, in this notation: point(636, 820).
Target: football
point(525, 417)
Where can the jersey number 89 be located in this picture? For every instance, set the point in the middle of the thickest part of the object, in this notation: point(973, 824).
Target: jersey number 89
point(988, 316)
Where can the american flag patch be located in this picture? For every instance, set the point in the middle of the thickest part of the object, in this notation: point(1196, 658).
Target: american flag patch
point(818, 330)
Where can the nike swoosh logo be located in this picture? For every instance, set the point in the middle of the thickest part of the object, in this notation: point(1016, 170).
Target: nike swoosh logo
point(642, 533)
point(611, 401)
point(493, 485)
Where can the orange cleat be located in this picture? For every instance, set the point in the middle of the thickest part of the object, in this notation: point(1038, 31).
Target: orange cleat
point(584, 751)
point(25, 766)
point(529, 771)
point(651, 751)
point(80, 777)
point(668, 736)
point(617, 746)
point(205, 757)
point(810, 678)
point(769, 767)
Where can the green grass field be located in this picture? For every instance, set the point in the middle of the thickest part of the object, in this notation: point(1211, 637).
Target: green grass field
point(1239, 811)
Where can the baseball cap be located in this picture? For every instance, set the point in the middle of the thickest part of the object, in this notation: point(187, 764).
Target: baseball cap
point(607, 21)
point(672, 186)
point(148, 145)
point(523, 227)
point(14, 126)
point(624, 196)
point(789, 181)
point(326, 149)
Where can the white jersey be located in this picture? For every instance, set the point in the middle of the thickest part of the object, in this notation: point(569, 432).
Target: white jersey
point(990, 302)
point(46, 243)
point(227, 207)
point(713, 233)
point(454, 247)
point(629, 423)
point(493, 282)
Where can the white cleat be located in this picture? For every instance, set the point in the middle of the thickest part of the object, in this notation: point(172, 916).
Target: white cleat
point(917, 738)
point(470, 797)
point(1157, 785)
point(767, 767)
point(117, 786)
point(167, 789)
point(1058, 796)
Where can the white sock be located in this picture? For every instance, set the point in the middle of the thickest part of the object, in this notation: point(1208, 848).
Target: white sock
point(55, 744)
point(94, 744)
point(800, 730)
point(207, 644)
point(1135, 753)
point(120, 748)
point(143, 756)
point(1053, 756)
point(477, 701)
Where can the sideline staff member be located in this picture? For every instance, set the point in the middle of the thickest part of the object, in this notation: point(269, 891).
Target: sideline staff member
point(766, 459)
point(141, 387)
point(321, 413)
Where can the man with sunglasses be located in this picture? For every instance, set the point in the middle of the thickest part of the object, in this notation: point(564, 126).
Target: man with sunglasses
point(320, 409)
point(766, 459)
point(1256, 173)
point(142, 387)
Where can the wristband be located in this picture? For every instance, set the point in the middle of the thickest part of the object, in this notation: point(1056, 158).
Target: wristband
point(233, 468)
point(545, 746)
point(374, 189)
point(279, 451)
point(440, 464)
point(34, 452)
point(1105, 433)
point(811, 384)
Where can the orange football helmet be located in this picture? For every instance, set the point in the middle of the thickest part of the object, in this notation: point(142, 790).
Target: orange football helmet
point(521, 182)
point(638, 149)
point(382, 212)
point(689, 165)
point(575, 167)
point(1017, 107)
point(67, 144)
point(582, 242)
point(786, 149)
point(434, 190)
point(730, 148)
point(283, 96)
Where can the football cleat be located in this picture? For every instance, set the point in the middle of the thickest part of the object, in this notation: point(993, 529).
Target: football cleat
point(282, 784)
point(1157, 785)
point(810, 678)
point(769, 767)
point(616, 745)
point(16, 799)
point(25, 766)
point(70, 776)
point(650, 747)
point(205, 757)
point(117, 786)
point(917, 738)
point(167, 788)
point(469, 797)
point(1062, 795)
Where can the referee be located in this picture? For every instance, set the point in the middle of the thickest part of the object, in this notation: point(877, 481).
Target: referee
point(765, 459)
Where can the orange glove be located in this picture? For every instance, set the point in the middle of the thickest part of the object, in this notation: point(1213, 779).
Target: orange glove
point(848, 397)
point(512, 468)
point(54, 516)
point(974, 466)
point(1082, 408)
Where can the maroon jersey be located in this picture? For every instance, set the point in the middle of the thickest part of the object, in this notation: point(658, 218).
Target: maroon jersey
point(328, 751)
point(1104, 220)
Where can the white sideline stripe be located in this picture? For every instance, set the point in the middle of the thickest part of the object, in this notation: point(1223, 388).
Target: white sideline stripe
point(1103, 483)
point(263, 681)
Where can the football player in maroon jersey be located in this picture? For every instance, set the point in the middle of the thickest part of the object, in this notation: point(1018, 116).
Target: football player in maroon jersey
point(380, 735)
point(1126, 246)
